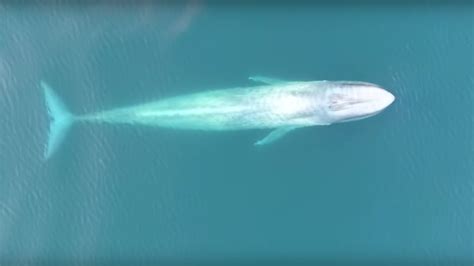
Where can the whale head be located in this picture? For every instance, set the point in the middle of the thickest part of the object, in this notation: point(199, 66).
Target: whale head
point(351, 100)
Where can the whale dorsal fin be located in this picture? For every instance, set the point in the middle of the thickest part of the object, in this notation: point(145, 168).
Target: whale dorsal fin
point(267, 80)
point(274, 135)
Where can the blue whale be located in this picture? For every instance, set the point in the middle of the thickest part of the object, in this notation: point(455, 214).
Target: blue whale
point(278, 105)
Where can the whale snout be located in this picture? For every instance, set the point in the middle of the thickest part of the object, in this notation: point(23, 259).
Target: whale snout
point(380, 99)
point(354, 101)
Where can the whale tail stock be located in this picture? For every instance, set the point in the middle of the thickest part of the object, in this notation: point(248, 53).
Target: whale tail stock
point(61, 120)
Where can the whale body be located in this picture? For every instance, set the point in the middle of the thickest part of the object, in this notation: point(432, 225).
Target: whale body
point(279, 105)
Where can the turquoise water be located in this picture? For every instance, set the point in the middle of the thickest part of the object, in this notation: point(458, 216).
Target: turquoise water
point(393, 189)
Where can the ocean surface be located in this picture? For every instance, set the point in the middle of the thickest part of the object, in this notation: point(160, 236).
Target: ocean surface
point(394, 189)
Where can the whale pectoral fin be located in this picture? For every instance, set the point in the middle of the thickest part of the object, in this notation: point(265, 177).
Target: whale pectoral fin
point(274, 135)
point(267, 80)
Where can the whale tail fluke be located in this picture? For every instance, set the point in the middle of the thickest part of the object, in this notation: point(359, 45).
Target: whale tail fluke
point(61, 120)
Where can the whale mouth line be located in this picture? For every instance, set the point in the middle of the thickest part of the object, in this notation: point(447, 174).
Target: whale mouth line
point(338, 106)
point(359, 83)
point(360, 117)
